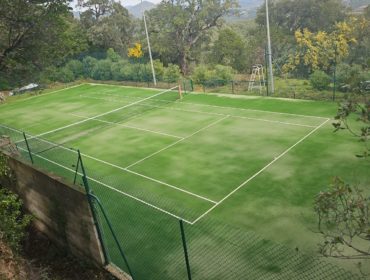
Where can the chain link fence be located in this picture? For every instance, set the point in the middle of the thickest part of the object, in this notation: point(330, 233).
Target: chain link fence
point(147, 243)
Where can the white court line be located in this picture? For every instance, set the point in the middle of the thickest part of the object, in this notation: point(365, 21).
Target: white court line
point(133, 172)
point(130, 126)
point(174, 143)
point(260, 171)
point(102, 114)
point(210, 113)
point(52, 92)
point(255, 110)
point(112, 188)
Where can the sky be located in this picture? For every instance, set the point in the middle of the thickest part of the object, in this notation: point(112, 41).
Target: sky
point(125, 2)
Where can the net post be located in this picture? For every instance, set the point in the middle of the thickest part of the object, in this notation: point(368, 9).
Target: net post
point(92, 208)
point(185, 249)
point(191, 85)
point(180, 92)
point(28, 147)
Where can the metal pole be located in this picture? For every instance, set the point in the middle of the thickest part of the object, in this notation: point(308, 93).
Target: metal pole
point(149, 49)
point(78, 163)
point(185, 249)
point(95, 218)
point(113, 233)
point(28, 147)
point(335, 70)
point(271, 78)
point(267, 74)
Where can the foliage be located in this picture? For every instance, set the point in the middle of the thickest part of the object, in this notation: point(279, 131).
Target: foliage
point(230, 49)
point(320, 80)
point(158, 69)
point(34, 35)
point(293, 15)
point(12, 220)
point(112, 55)
point(107, 24)
point(172, 73)
point(200, 74)
point(191, 22)
point(136, 51)
point(344, 221)
point(76, 67)
point(349, 77)
point(101, 70)
point(319, 51)
point(88, 65)
point(359, 107)
point(222, 72)
point(65, 75)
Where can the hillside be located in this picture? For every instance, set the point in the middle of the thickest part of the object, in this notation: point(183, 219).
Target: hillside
point(137, 10)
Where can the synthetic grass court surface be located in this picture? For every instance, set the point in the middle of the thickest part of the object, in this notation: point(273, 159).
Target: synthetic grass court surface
point(252, 163)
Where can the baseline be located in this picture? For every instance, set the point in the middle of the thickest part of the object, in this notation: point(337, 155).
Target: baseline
point(48, 93)
point(100, 115)
point(260, 171)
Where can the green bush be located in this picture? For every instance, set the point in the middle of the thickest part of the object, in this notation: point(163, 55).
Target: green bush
point(13, 222)
point(65, 75)
point(116, 70)
point(320, 80)
point(88, 64)
point(349, 77)
point(112, 55)
point(200, 74)
point(102, 70)
point(158, 69)
point(76, 67)
point(224, 73)
point(172, 73)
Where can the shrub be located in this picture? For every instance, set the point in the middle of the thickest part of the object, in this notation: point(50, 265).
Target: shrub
point(172, 73)
point(320, 80)
point(76, 67)
point(101, 70)
point(200, 74)
point(65, 75)
point(13, 222)
point(225, 73)
point(116, 71)
point(159, 69)
point(112, 55)
point(88, 64)
point(350, 76)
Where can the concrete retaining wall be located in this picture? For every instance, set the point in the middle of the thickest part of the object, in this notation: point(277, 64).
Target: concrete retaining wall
point(61, 210)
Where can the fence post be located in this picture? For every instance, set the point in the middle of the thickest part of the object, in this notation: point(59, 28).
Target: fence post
point(88, 192)
point(77, 165)
point(185, 249)
point(28, 147)
point(113, 233)
point(191, 85)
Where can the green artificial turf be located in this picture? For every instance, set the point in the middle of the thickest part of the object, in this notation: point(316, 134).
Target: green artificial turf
point(236, 170)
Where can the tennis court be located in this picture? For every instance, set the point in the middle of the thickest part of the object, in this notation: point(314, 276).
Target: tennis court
point(153, 158)
point(178, 157)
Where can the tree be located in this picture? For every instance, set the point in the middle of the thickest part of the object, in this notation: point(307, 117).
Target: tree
point(314, 15)
point(343, 211)
point(230, 49)
point(96, 8)
point(318, 51)
point(33, 34)
point(178, 27)
point(344, 221)
point(108, 30)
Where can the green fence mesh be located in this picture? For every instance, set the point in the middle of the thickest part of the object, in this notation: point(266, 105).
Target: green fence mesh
point(151, 239)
